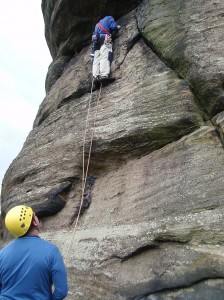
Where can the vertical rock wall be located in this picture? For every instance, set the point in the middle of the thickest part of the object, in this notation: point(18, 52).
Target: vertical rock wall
point(154, 228)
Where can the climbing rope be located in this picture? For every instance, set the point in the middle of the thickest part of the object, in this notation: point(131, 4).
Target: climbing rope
point(85, 172)
point(84, 139)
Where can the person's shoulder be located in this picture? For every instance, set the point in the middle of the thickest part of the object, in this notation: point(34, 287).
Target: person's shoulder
point(48, 244)
point(110, 18)
point(44, 241)
point(8, 246)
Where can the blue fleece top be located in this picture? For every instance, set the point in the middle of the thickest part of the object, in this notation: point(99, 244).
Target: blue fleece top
point(108, 23)
point(28, 267)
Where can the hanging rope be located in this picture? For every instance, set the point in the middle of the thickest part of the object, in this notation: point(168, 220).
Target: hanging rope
point(84, 139)
point(85, 172)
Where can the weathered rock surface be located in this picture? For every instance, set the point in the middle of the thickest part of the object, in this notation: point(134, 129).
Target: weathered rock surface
point(69, 25)
point(154, 229)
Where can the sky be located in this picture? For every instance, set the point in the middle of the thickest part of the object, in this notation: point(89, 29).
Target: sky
point(24, 61)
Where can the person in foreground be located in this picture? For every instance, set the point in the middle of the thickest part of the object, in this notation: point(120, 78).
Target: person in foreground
point(31, 268)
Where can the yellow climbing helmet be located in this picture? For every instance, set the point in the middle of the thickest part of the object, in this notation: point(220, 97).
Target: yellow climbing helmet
point(18, 220)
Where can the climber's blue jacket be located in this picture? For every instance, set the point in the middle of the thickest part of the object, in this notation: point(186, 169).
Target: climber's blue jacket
point(29, 266)
point(105, 26)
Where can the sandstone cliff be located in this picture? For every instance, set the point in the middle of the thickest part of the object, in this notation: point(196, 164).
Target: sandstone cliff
point(154, 228)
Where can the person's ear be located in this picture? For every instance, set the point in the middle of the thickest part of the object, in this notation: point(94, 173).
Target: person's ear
point(34, 221)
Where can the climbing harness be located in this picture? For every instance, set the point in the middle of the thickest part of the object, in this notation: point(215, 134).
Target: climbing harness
point(103, 28)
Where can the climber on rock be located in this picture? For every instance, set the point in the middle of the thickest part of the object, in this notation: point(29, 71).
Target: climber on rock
point(101, 50)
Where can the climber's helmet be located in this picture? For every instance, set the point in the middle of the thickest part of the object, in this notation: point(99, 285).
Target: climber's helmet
point(18, 220)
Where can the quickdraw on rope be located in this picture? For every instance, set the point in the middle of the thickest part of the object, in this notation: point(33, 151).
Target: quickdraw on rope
point(85, 172)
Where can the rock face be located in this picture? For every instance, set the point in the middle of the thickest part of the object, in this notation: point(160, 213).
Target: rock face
point(154, 228)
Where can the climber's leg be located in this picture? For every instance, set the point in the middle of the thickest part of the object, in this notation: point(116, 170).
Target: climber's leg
point(105, 60)
point(96, 64)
